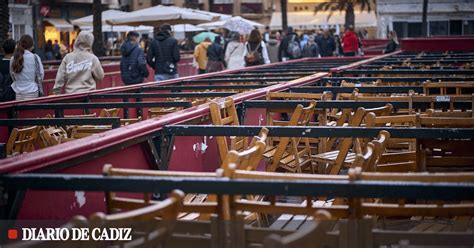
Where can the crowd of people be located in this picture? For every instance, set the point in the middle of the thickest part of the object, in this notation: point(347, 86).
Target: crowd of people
point(21, 70)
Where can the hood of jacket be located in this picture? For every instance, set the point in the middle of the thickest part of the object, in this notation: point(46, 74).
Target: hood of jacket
point(127, 48)
point(273, 42)
point(84, 41)
point(162, 35)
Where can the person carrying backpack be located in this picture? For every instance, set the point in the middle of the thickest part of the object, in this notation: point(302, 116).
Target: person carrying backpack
point(132, 64)
point(163, 54)
point(289, 46)
point(256, 50)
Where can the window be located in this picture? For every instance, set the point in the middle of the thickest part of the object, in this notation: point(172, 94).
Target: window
point(18, 31)
point(400, 28)
point(438, 28)
point(469, 27)
point(455, 27)
point(414, 29)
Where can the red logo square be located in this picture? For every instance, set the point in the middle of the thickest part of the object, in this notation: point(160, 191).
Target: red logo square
point(12, 234)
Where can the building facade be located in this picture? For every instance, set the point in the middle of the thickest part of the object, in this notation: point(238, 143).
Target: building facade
point(445, 17)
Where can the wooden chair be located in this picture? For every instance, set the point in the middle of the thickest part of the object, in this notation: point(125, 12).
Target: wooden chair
point(289, 155)
point(335, 160)
point(443, 154)
point(22, 140)
point(52, 136)
point(398, 121)
point(196, 206)
point(113, 112)
point(78, 132)
point(443, 88)
point(226, 114)
point(151, 225)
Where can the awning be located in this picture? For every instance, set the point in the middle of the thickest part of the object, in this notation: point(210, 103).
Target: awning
point(308, 20)
point(60, 24)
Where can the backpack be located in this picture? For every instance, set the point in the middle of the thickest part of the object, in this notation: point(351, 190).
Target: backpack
point(253, 57)
point(294, 49)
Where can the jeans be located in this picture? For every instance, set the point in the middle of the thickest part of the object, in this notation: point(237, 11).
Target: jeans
point(161, 77)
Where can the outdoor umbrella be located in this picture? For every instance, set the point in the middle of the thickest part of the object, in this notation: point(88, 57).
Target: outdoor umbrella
point(86, 23)
point(187, 28)
point(201, 36)
point(236, 24)
point(160, 14)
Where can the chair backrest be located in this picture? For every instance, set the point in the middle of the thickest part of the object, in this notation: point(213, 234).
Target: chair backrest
point(126, 122)
point(300, 117)
point(151, 225)
point(22, 140)
point(250, 158)
point(78, 132)
point(443, 87)
point(298, 96)
point(448, 122)
point(311, 236)
point(53, 135)
point(227, 115)
point(113, 112)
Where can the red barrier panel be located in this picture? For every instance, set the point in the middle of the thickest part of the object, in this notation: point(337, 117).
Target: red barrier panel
point(438, 44)
point(112, 75)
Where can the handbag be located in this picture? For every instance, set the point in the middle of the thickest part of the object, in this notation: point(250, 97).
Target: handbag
point(168, 67)
point(38, 79)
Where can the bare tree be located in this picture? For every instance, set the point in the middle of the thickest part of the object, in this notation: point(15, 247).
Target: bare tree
point(98, 46)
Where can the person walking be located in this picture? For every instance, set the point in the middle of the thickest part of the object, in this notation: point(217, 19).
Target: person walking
point(26, 70)
point(326, 44)
point(6, 91)
point(311, 49)
point(132, 64)
point(215, 56)
point(200, 55)
point(80, 70)
point(266, 35)
point(350, 43)
point(393, 42)
point(272, 46)
point(56, 50)
point(235, 53)
point(48, 50)
point(256, 51)
point(163, 54)
point(289, 46)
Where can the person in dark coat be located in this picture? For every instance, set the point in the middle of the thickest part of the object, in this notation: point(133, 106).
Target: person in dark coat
point(6, 91)
point(326, 44)
point(132, 65)
point(393, 43)
point(163, 54)
point(282, 51)
point(215, 56)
